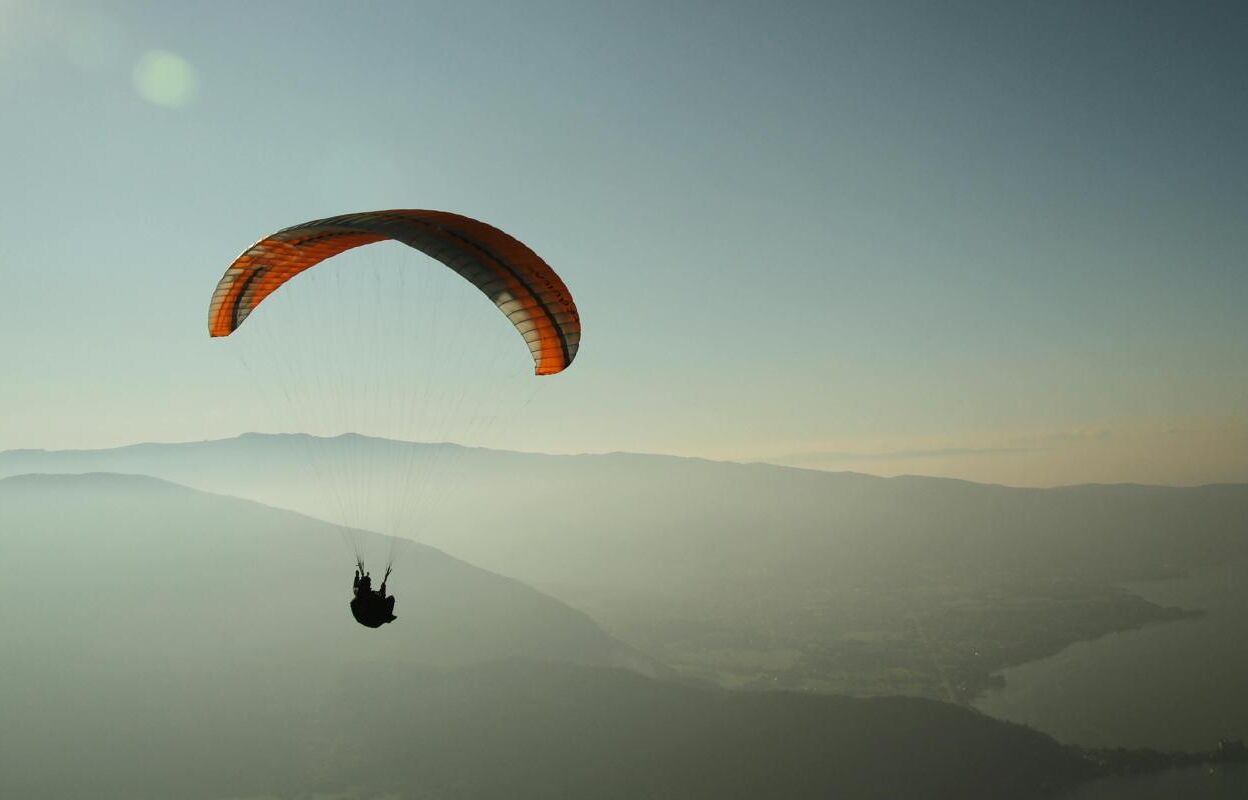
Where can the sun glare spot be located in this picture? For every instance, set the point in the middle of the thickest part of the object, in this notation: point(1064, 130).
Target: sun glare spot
point(165, 79)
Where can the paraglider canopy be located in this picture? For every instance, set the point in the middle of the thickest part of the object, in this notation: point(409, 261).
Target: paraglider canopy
point(517, 280)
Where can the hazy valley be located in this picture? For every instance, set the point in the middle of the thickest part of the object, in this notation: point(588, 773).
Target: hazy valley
point(160, 641)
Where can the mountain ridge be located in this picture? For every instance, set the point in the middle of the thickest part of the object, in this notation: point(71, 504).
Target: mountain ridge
point(259, 436)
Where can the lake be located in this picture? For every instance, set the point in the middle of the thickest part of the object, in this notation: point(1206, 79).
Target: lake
point(1224, 783)
point(1172, 686)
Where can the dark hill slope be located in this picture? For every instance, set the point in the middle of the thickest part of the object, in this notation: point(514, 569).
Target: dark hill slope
point(529, 731)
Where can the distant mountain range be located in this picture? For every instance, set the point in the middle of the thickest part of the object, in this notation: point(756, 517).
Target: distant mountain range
point(747, 574)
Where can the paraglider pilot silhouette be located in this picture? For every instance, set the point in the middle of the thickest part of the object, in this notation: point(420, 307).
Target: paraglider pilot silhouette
point(371, 608)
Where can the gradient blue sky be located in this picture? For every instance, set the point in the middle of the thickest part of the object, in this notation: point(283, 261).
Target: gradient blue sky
point(1001, 241)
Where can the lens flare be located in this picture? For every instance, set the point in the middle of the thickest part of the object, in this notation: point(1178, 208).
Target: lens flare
point(165, 79)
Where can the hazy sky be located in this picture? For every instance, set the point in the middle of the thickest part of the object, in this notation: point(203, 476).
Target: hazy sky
point(1001, 241)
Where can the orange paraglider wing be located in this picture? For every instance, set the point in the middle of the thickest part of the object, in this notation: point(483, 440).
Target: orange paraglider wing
point(516, 279)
